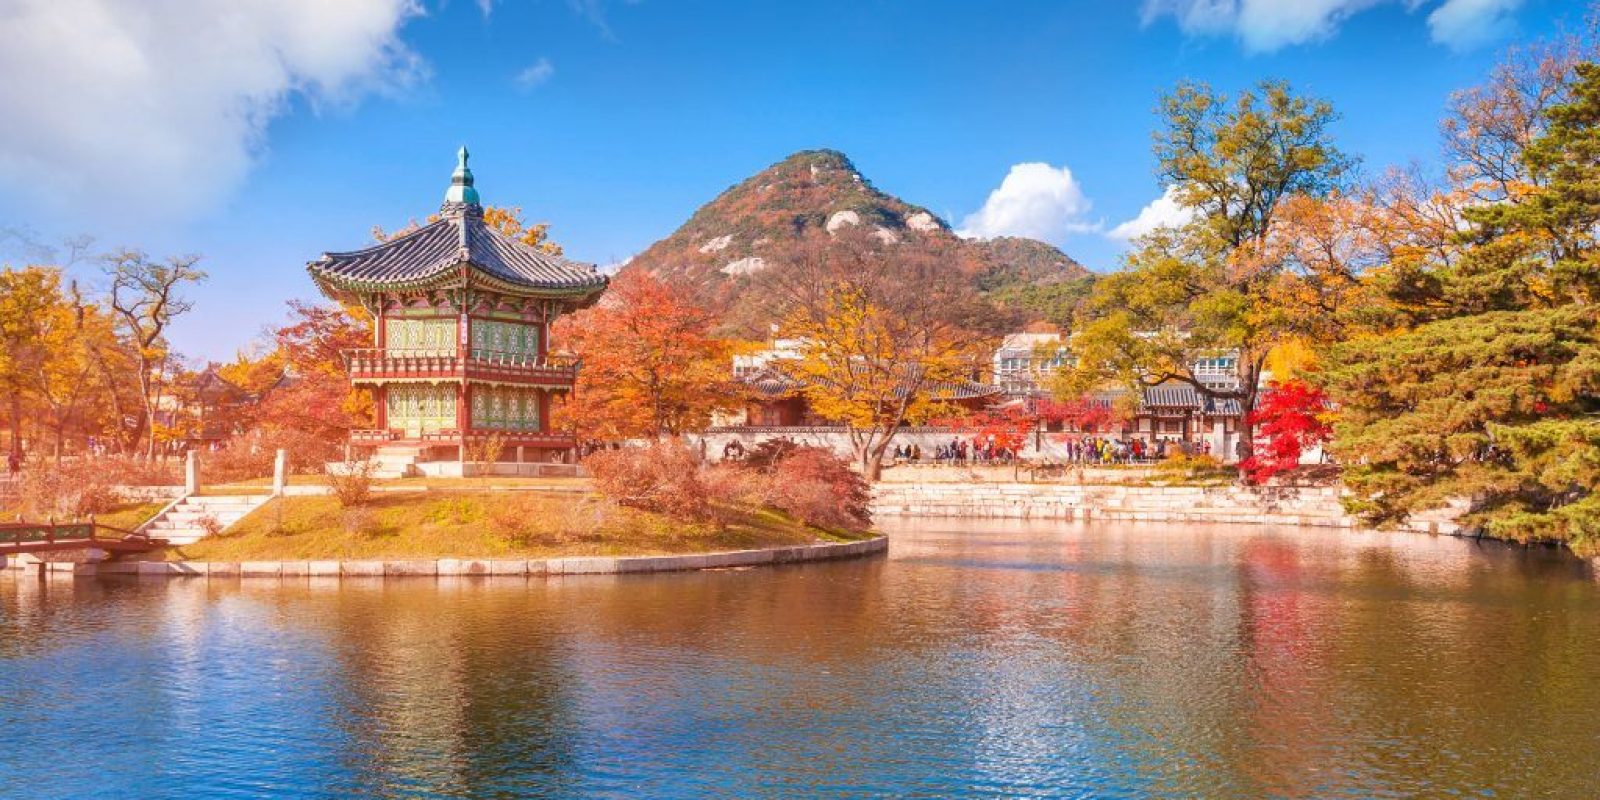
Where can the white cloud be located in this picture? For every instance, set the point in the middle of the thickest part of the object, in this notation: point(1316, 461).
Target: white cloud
point(1035, 200)
point(1263, 26)
point(157, 109)
point(1163, 212)
point(1465, 24)
point(535, 74)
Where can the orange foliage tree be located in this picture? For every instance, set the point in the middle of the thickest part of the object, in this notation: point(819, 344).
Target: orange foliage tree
point(314, 407)
point(650, 366)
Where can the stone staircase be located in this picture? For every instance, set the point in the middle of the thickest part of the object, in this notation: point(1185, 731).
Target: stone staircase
point(396, 461)
point(183, 522)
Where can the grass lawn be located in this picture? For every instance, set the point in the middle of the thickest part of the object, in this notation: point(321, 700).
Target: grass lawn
point(490, 481)
point(483, 524)
point(126, 516)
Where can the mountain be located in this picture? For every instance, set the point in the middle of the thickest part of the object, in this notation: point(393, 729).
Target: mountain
point(760, 222)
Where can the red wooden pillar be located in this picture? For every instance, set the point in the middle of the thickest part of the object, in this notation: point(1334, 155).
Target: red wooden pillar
point(463, 391)
point(544, 410)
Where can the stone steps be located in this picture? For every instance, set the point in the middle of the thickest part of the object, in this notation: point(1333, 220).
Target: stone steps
point(182, 524)
point(396, 461)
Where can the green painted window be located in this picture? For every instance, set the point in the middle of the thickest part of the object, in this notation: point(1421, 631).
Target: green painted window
point(420, 334)
point(505, 408)
point(420, 408)
point(514, 338)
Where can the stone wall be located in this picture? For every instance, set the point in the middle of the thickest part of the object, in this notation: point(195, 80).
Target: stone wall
point(1314, 506)
point(457, 567)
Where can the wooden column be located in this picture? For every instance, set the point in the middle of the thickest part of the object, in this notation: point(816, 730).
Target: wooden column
point(463, 391)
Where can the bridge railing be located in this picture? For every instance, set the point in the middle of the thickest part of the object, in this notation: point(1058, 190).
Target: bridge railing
point(21, 532)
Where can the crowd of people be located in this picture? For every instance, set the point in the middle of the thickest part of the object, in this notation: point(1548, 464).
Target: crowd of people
point(958, 451)
point(1085, 449)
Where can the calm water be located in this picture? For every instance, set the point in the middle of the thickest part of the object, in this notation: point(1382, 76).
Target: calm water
point(975, 661)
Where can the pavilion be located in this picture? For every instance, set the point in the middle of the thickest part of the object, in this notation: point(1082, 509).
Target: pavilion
point(460, 359)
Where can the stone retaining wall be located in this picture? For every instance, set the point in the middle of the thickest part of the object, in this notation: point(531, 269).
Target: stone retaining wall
point(468, 567)
point(1314, 506)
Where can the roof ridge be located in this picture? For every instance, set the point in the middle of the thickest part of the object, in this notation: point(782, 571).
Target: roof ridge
point(397, 240)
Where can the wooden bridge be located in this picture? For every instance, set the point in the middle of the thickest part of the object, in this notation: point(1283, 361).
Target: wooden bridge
point(39, 537)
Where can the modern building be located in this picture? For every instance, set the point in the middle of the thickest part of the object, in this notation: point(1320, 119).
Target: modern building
point(461, 319)
point(1024, 361)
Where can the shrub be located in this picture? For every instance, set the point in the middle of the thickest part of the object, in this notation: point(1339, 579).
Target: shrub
point(486, 452)
point(68, 490)
point(735, 484)
point(125, 471)
point(817, 487)
point(352, 482)
point(1181, 467)
point(359, 520)
point(663, 477)
point(210, 524)
point(251, 454)
point(767, 454)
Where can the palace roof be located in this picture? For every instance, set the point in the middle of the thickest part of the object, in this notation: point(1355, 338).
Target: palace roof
point(455, 248)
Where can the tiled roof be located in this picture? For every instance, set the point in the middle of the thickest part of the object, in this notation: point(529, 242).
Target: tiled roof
point(774, 383)
point(1178, 396)
point(1185, 396)
point(770, 382)
point(433, 253)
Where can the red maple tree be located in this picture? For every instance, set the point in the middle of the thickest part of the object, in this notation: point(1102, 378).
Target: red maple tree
point(1291, 418)
point(651, 366)
point(1083, 414)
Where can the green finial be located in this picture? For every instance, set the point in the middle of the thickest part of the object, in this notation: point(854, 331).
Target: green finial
point(461, 190)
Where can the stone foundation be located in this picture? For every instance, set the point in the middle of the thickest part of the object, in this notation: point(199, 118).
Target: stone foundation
point(1268, 505)
point(428, 568)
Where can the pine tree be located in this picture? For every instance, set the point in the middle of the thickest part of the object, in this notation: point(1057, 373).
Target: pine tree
point(1498, 400)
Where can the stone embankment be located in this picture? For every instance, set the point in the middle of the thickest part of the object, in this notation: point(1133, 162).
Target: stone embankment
point(463, 567)
point(1269, 505)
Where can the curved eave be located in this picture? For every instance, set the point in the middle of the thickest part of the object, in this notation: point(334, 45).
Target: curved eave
point(448, 276)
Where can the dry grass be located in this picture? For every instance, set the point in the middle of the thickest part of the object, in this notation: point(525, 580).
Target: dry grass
point(125, 516)
point(490, 481)
point(480, 524)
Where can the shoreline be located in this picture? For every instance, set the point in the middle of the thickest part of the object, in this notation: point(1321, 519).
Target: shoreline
point(459, 567)
point(1307, 506)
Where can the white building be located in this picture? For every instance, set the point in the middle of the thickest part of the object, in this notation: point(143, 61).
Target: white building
point(1024, 361)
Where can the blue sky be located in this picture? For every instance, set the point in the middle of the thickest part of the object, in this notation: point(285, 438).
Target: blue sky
point(262, 132)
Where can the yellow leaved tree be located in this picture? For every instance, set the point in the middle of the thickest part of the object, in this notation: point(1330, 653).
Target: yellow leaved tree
point(881, 337)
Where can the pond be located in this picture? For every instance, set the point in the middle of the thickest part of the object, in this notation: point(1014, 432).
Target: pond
point(976, 660)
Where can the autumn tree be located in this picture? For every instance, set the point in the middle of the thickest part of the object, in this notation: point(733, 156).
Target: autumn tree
point(311, 407)
point(1495, 398)
point(145, 297)
point(882, 335)
point(76, 332)
point(1007, 427)
point(1223, 284)
point(1084, 413)
point(1293, 418)
point(27, 297)
point(649, 364)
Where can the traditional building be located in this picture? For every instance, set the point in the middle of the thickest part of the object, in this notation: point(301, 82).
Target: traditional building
point(461, 319)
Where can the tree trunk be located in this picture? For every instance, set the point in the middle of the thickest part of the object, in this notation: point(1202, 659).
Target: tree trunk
point(16, 424)
point(874, 464)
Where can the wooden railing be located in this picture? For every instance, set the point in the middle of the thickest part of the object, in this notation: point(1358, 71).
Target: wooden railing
point(452, 436)
point(16, 537)
point(373, 364)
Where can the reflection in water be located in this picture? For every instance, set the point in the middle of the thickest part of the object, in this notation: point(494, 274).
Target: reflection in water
point(980, 660)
